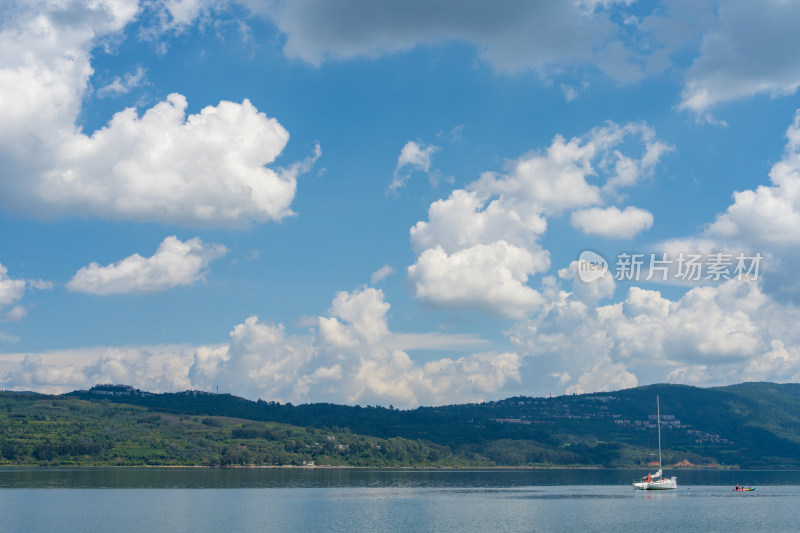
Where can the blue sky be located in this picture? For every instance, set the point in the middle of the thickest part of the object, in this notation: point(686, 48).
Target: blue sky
point(385, 203)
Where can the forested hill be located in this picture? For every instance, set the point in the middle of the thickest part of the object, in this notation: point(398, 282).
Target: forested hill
point(747, 425)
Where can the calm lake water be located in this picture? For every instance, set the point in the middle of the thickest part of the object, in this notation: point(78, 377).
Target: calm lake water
point(249, 500)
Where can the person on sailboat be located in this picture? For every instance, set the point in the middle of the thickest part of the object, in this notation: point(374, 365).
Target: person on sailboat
point(648, 478)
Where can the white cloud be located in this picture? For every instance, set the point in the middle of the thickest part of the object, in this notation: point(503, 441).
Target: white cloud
point(728, 333)
point(11, 292)
point(591, 292)
point(604, 376)
point(731, 331)
point(32, 374)
point(15, 314)
point(490, 277)
point(40, 284)
point(742, 48)
point(436, 341)
point(570, 92)
point(612, 222)
point(381, 274)
point(769, 215)
point(480, 245)
point(712, 335)
point(590, 6)
point(181, 13)
point(465, 219)
point(349, 360)
point(761, 220)
point(352, 357)
point(365, 310)
point(205, 169)
point(415, 155)
point(563, 177)
point(748, 49)
point(158, 368)
point(511, 35)
point(124, 85)
point(174, 264)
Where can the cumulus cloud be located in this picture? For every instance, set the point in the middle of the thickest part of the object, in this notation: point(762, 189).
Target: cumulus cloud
point(11, 292)
point(769, 215)
point(416, 156)
point(719, 331)
point(177, 14)
point(174, 264)
point(157, 368)
point(592, 291)
point(480, 245)
point(604, 376)
point(711, 335)
point(761, 221)
point(203, 169)
point(612, 221)
point(365, 310)
point(350, 357)
point(491, 277)
point(565, 175)
point(747, 49)
point(467, 218)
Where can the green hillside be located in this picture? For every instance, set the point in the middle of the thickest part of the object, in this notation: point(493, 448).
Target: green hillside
point(61, 431)
point(751, 425)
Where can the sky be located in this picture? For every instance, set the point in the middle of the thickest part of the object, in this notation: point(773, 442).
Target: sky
point(398, 203)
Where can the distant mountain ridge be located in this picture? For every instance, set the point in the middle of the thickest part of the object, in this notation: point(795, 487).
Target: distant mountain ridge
point(750, 425)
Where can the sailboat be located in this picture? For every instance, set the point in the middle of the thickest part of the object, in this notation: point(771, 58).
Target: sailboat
point(657, 481)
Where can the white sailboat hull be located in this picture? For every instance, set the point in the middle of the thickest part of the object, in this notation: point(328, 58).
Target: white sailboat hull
point(662, 484)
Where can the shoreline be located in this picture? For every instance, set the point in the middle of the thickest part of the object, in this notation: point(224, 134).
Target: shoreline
point(398, 468)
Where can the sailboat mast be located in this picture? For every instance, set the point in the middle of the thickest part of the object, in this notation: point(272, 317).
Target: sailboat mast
point(658, 420)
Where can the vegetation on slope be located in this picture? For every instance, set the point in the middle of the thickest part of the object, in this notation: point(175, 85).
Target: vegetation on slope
point(51, 430)
point(749, 425)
